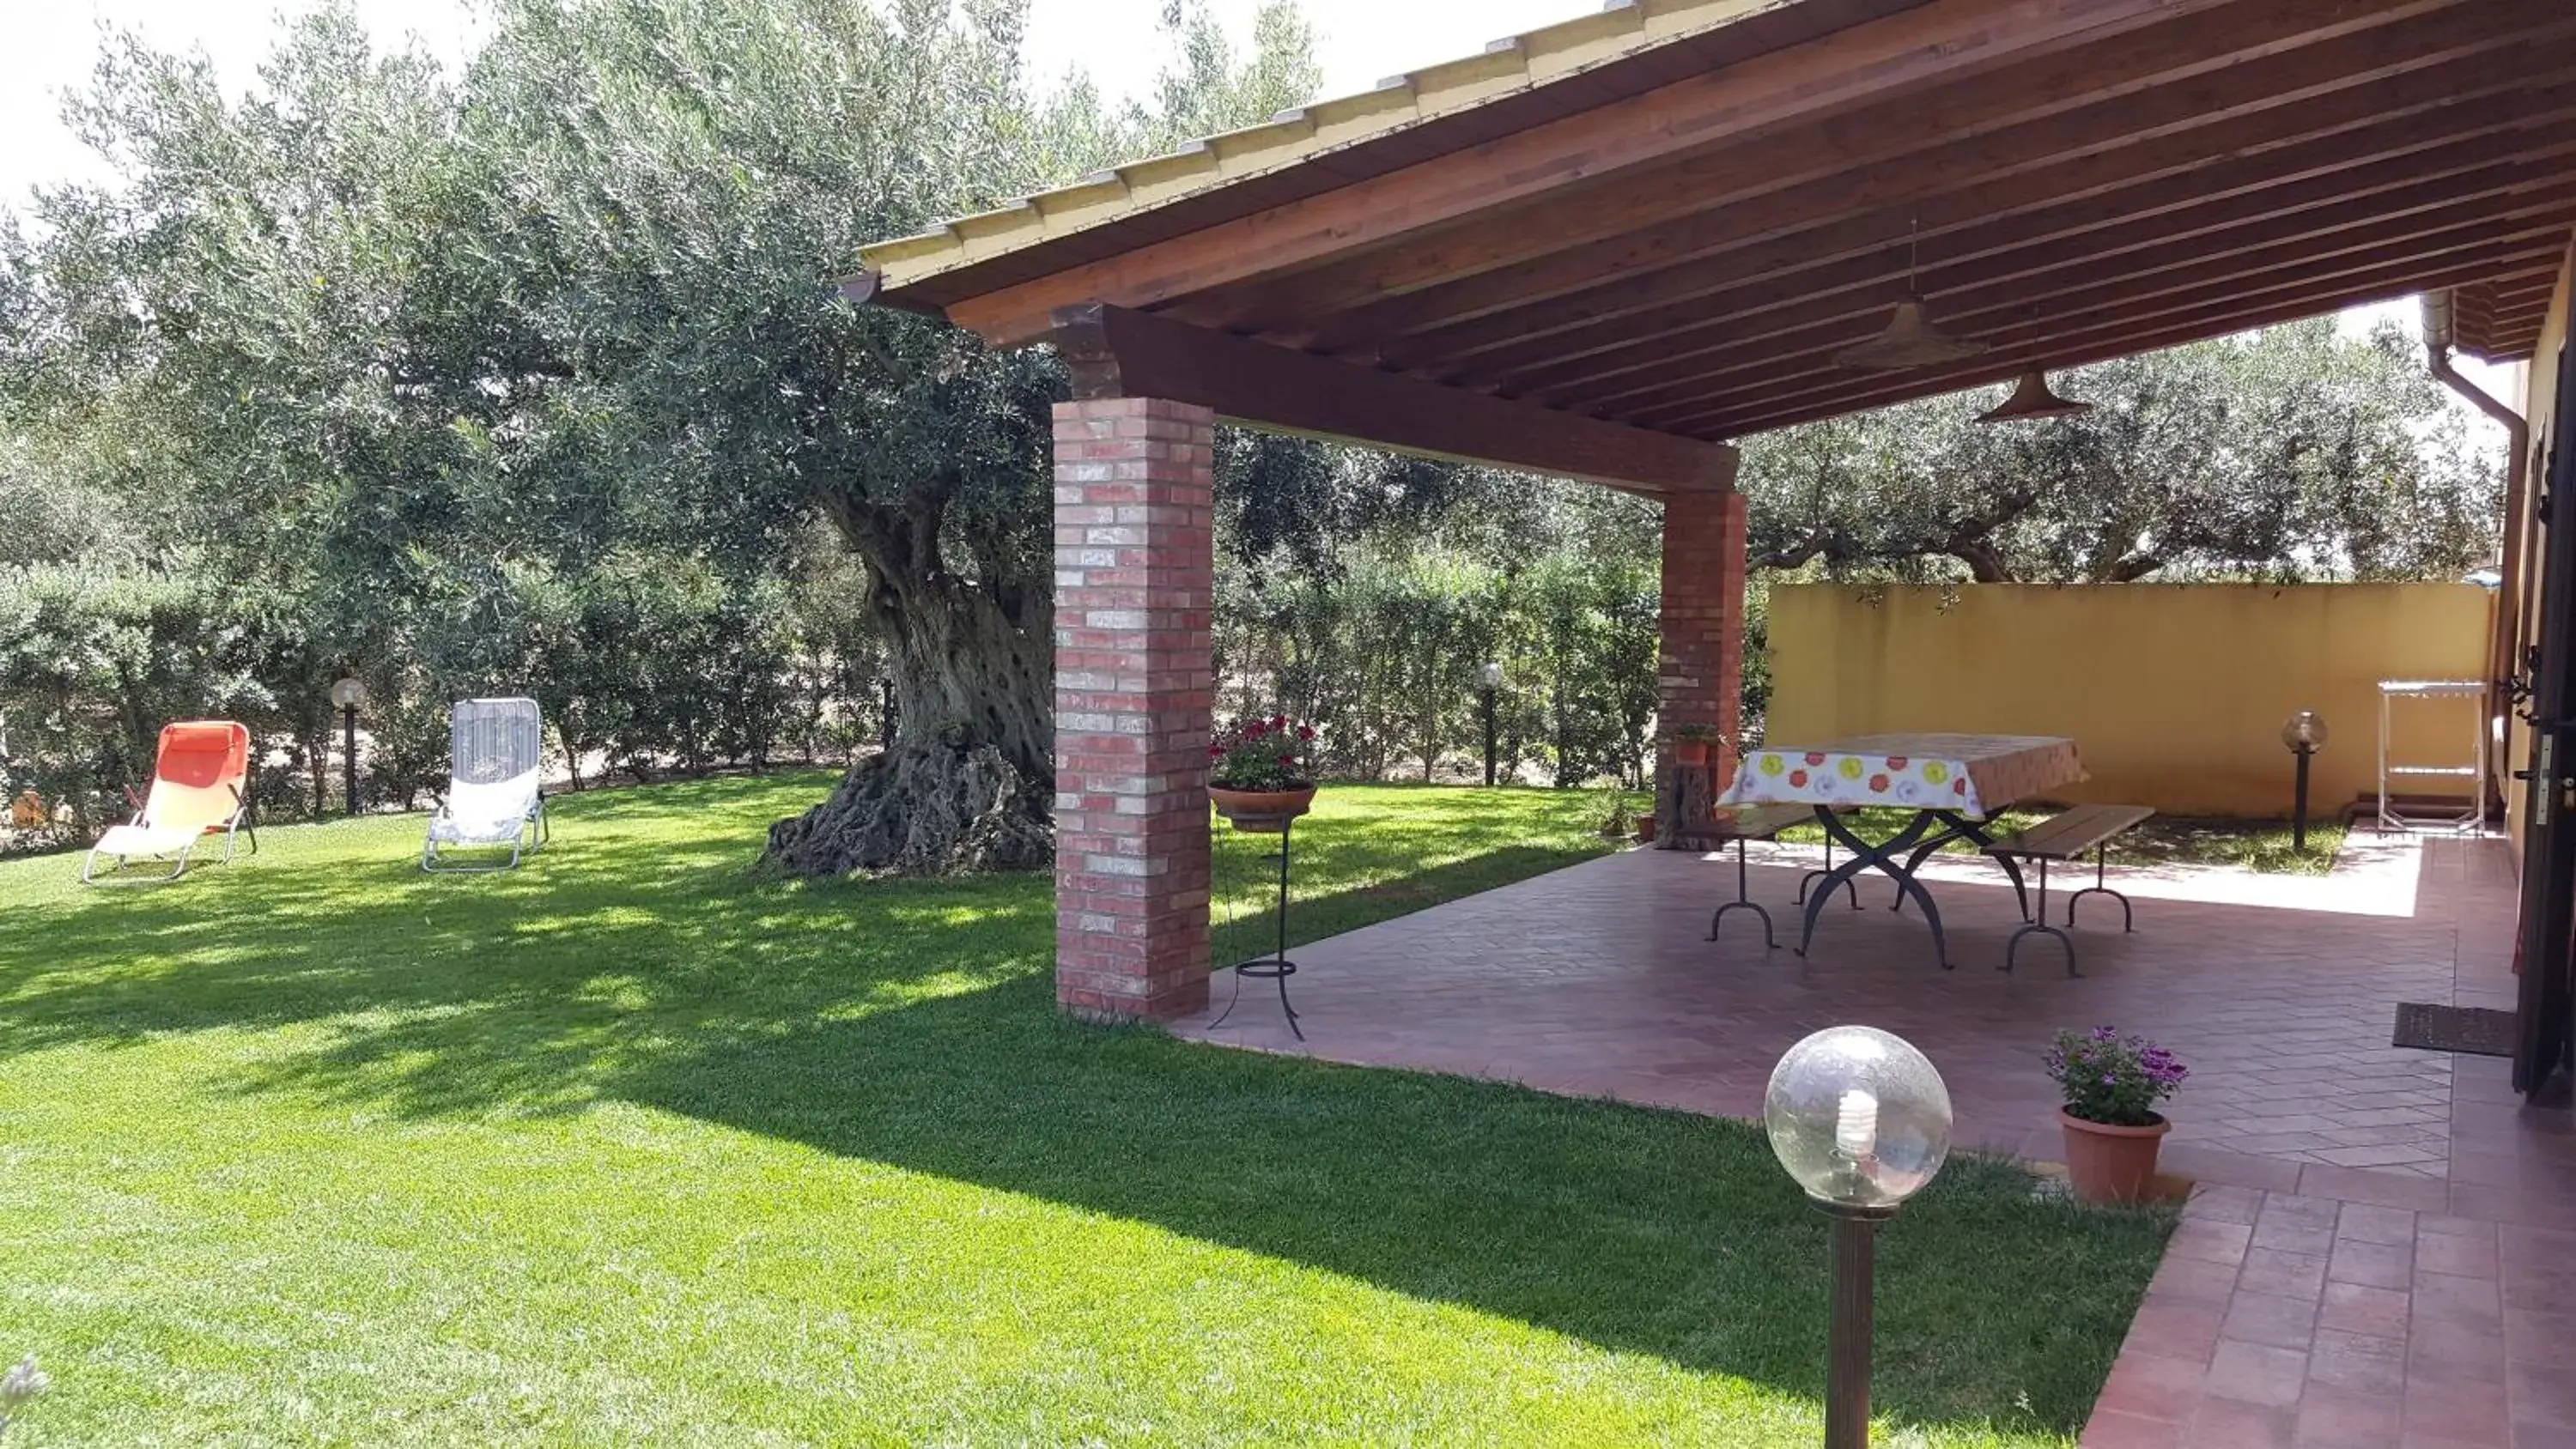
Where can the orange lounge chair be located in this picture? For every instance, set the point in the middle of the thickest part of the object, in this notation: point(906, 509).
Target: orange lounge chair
point(200, 787)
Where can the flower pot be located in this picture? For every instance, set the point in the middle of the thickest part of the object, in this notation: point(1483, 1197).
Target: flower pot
point(2107, 1164)
point(1261, 812)
point(1646, 829)
point(1690, 752)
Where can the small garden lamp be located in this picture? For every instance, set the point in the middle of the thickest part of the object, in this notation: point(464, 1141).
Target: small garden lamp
point(1489, 684)
point(2305, 734)
point(347, 693)
point(1862, 1121)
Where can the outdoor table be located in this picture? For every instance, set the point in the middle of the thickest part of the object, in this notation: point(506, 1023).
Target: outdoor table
point(1954, 784)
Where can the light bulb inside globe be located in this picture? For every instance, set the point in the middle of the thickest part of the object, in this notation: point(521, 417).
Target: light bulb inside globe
point(2304, 731)
point(1856, 1125)
point(1858, 1117)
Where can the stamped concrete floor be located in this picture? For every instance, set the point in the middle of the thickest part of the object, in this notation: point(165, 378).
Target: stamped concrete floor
point(2380, 1246)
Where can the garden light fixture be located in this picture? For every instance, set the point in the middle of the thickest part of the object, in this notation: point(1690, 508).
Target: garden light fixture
point(1862, 1121)
point(2305, 734)
point(348, 693)
point(1489, 684)
point(1910, 339)
point(2031, 398)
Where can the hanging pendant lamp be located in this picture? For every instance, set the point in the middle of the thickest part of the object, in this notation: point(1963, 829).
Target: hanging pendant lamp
point(1910, 339)
point(2032, 399)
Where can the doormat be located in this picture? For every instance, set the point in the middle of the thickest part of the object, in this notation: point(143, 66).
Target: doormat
point(2478, 1030)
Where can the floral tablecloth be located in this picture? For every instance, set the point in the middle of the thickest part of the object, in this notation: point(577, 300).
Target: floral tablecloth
point(1974, 775)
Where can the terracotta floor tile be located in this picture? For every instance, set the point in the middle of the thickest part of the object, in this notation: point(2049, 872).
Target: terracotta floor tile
point(2362, 1363)
point(2326, 1215)
point(2360, 1308)
point(2111, 1430)
point(2227, 1424)
point(2256, 1373)
point(2151, 1386)
point(2331, 1418)
point(2380, 1265)
point(2470, 1413)
point(2542, 1397)
point(2267, 1319)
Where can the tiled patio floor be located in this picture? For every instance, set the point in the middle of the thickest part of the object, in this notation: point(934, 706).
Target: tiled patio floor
point(2381, 1246)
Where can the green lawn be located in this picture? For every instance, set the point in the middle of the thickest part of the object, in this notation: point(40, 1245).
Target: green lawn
point(2258, 845)
point(626, 1148)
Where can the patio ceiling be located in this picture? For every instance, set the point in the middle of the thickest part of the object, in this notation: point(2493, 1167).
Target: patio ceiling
point(1597, 248)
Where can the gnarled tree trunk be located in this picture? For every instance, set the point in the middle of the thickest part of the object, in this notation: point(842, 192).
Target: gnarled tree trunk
point(968, 783)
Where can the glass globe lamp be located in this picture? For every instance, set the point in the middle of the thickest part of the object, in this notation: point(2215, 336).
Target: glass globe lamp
point(2304, 731)
point(1858, 1117)
point(348, 693)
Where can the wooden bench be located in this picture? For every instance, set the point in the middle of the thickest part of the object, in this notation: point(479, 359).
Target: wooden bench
point(1738, 824)
point(2070, 835)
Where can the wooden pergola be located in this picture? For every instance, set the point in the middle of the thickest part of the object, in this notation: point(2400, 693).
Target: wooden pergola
point(1608, 249)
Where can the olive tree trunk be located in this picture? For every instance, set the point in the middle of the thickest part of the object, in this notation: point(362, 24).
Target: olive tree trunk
point(968, 783)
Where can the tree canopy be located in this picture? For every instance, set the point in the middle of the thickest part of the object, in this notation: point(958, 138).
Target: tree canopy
point(2291, 453)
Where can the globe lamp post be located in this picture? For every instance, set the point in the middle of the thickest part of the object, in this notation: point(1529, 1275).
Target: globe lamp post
point(348, 693)
point(1489, 683)
point(2305, 734)
point(1862, 1121)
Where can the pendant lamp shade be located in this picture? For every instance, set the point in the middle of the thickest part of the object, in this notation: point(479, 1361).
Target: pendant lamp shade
point(2032, 399)
point(1909, 341)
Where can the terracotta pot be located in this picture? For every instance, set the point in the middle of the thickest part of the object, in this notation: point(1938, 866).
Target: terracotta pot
point(2108, 1164)
point(1690, 752)
point(1646, 829)
point(1261, 812)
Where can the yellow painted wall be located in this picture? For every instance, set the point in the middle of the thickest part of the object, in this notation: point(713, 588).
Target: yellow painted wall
point(2174, 693)
point(2539, 405)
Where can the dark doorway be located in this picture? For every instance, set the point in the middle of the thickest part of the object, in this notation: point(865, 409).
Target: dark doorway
point(2549, 792)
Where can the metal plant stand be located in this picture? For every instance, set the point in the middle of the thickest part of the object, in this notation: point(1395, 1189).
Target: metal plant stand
point(1276, 966)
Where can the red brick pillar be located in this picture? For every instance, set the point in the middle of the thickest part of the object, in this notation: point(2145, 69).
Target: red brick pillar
point(1134, 567)
point(1701, 674)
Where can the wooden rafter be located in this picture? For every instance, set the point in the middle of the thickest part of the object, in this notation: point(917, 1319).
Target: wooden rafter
point(1681, 251)
point(1115, 352)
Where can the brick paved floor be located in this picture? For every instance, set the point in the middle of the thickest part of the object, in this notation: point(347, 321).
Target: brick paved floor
point(2382, 1248)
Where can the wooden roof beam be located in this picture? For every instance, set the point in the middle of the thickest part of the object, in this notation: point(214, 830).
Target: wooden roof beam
point(2462, 171)
point(2102, 92)
point(1935, 42)
point(1116, 352)
point(2404, 157)
point(2109, 307)
point(1873, 210)
point(2221, 318)
point(2172, 267)
point(1903, 149)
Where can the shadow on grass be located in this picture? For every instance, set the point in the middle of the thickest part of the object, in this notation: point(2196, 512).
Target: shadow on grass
point(910, 1023)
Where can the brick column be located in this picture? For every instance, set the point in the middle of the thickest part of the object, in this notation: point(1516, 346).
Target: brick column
point(1134, 568)
point(1700, 677)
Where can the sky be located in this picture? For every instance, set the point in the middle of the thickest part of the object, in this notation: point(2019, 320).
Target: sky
point(52, 44)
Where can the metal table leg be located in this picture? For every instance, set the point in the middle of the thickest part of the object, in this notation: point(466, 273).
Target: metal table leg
point(1960, 827)
point(1884, 858)
point(1850, 888)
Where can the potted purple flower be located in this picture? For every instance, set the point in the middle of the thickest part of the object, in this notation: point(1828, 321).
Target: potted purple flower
point(2112, 1084)
point(1258, 775)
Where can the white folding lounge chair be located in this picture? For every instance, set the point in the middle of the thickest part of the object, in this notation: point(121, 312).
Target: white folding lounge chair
point(497, 748)
point(200, 787)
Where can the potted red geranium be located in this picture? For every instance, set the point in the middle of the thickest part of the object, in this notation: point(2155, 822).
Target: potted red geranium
point(1258, 774)
point(2113, 1130)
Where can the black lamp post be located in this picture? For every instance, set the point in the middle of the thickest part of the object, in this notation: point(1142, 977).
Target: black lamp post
point(2305, 734)
point(1489, 683)
point(1862, 1121)
point(348, 693)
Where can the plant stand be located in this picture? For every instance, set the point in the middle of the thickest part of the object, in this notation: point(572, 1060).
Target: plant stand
point(1276, 966)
